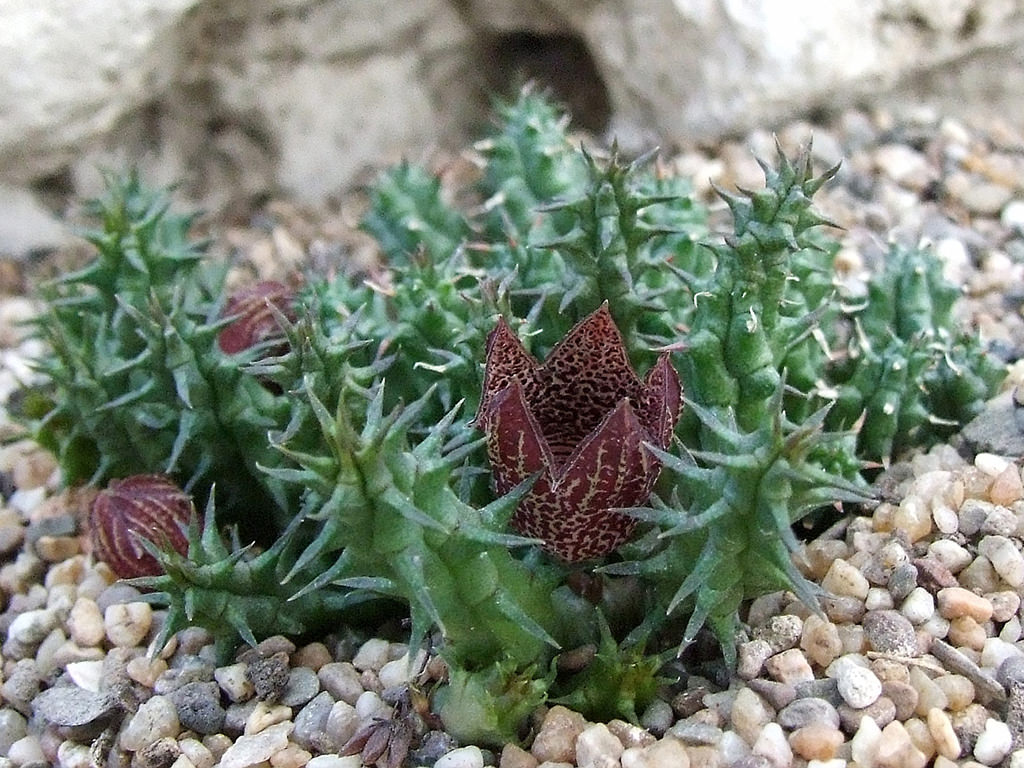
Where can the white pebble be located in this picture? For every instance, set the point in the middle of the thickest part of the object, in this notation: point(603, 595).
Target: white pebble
point(945, 518)
point(772, 745)
point(463, 757)
point(86, 674)
point(878, 598)
point(597, 747)
point(990, 463)
point(26, 750)
point(996, 651)
point(994, 743)
point(127, 624)
point(369, 705)
point(864, 745)
point(666, 753)
point(918, 606)
point(373, 654)
point(1005, 558)
point(1012, 216)
point(857, 684)
point(950, 554)
point(249, 750)
point(70, 754)
point(234, 682)
point(335, 761)
point(400, 671)
point(29, 628)
point(844, 579)
point(85, 623)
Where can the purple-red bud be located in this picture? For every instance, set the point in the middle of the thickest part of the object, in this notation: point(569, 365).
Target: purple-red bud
point(138, 507)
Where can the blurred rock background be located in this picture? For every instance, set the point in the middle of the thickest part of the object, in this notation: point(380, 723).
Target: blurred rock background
point(239, 100)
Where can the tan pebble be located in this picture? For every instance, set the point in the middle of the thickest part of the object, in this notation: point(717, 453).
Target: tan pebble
point(820, 641)
point(844, 579)
point(890, 670)
point(950, 554)
point(556, 740)
point(913, 517)
point(789, 667)
point(256, 748)
point(853, 637)
point(513, 756)
point(597, 747)
point(920, 736)
point(197, 753)
point(33, 469)
point(896, 750)
point(965, 632)
point(750, 714)
point(292, 756)
point(772, 745)
point(957, 601)
point(947, 744)
point(945, 762)
point(265, 715)
point(816, 742)
point(929, 695)
point(903, 696)
point(1006, 488)
point(820, 555)
point(127, 624)
point(959, 691)
point(700, 757)
point(217, 744)
point(145, 671)
point(666, 753)
point(55, 549)
point(312, 656)
point(631, 735)
point(85, 623)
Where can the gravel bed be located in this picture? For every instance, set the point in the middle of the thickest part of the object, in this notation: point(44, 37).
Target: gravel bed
point(919, 659)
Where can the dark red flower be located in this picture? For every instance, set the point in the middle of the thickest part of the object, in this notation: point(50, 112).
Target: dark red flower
point(580, 419)
point(254, 321)
point(138, 507)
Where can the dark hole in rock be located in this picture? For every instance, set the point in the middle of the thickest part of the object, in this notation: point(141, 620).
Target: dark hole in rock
point(560, 63)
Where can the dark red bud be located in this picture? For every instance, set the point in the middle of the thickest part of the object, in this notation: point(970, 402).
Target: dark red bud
point(254, 320)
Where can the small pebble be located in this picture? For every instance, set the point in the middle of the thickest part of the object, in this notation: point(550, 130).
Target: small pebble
point(943, 735)
point(809, 711)
point(254, 749)
point(918, 606)
point(127, 624)
point(155, 718)
point(789, 667)
point(896, 749)
point(957, 601)
point(816, 741)
point(750, 714)
point(994, 743)
point(373, 654)
point(1006, 559)
point(596, 747)
point(466, 757)
point(666, 753)
point(845, 580)
point(857, 684)
point(772, 745)
point(303, 684)
point(556, 740)
point(889, 631)
point(951, 555)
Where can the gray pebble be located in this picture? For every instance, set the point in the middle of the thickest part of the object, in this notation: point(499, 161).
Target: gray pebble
point(191, 669)
point(821, 688)
point(776, 693)
point(696, 733)
point(889, 631)
point(79, 714)
point(237, 715)
point(882, 711)
point(303, 685)
point(842, 609)
point(21, 686)
point(810, 711)
point(118, 592)
point(311, 724)
point(658, 717)
point(13, 726)
point(269, 675)
point(1015, 711)
point(434, 745)
point(1010, 671)
point(198, 707)
point(341, 680)
point(902, 581)
point(57, 525)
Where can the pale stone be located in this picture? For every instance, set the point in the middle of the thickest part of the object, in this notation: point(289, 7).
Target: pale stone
point(750, 714)
point(772, 745)
point(373, 654)
point(818, 741)
point(940, 727)
point(994, 743)
point(1005, 558)
point(857, 684)
point(127, 624)
point(789, 667)
point(844, 579)
point(556, 740)
point(85, 623)
point(463, 757)
point(250, 750)
point(666, 753)
point(896, 750)
point(918, 606)
point(597, 747)
point(155, 719)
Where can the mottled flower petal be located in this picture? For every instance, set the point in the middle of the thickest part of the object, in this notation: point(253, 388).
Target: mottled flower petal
point(581, 419)
point(513, 433)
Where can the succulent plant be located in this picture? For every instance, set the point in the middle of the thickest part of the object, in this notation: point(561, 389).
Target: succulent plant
point(338, 418)
point(134, 510)
point(580, 420)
